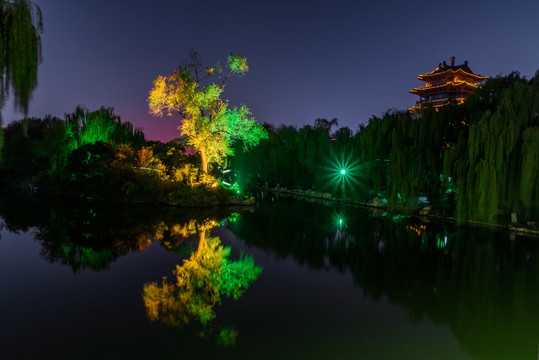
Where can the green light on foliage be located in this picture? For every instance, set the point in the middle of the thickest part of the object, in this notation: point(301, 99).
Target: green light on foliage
point(234, 187)
point(237, 64)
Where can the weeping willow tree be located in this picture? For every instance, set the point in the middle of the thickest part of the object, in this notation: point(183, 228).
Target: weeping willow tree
point(60, 138)
point(496, 165)
point(486, 152)
point(478, 161)
point(20, 52)
point(403, 154)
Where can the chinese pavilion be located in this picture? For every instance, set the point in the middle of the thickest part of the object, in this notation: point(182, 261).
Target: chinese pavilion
point(445, 83)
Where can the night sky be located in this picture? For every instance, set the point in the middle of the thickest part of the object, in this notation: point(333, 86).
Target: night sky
point(308, 59)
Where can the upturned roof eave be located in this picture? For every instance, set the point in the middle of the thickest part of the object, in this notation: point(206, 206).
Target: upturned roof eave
point(434, 74)
point(453, 86)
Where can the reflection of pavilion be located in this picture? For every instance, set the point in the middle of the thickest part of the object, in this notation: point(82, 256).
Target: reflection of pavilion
point(446, 83)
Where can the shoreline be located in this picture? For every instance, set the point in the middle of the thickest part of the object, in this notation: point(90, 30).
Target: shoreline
point(413, 212)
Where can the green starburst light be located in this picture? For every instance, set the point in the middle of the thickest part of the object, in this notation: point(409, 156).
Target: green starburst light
point(343, 172)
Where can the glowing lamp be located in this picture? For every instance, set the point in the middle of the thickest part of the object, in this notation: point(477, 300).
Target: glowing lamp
point(343, 172)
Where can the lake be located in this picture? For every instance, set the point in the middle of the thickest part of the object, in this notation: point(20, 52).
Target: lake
point(301, 280)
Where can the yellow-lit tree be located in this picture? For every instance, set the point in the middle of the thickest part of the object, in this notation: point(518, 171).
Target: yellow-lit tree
point(209, 124)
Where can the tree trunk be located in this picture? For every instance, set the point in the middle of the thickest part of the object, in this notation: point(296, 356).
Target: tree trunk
point(204, 160)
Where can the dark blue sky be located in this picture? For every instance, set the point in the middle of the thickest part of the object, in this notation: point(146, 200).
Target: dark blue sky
point(308, 59)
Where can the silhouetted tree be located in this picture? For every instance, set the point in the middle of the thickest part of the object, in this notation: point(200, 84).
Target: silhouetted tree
point(21, 26)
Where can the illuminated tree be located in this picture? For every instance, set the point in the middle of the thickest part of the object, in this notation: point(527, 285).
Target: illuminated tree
point(20, 52)
point(210, 125)
point(58, 142)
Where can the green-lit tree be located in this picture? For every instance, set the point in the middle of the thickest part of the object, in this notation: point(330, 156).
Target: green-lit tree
point(20, 52)
point(208, 122)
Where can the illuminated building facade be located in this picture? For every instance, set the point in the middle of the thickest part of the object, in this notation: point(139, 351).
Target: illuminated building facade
point(446, 83)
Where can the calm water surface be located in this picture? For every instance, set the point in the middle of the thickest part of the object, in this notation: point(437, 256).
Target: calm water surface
point(335, 283)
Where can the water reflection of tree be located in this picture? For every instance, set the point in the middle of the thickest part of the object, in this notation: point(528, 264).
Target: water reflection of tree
point(86, 235)
point(480, 284)
point(201, 281)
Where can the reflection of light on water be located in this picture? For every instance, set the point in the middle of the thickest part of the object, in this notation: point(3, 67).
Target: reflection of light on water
point(340, 219)
point(418, 229)
point(441, 243)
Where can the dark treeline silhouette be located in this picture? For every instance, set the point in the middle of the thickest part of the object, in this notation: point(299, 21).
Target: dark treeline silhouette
point(94, 154)
point(476, 281)
point(477, 161)
point(47, 144)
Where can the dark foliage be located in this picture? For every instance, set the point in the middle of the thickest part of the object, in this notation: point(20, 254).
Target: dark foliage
point(477, 161)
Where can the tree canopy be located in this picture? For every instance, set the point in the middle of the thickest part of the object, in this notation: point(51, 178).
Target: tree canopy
point(20, 53)
point(207, 120)
point(477, 162)
point(20, 50)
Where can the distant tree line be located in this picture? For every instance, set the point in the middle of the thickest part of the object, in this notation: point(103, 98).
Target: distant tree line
point(94, 154)
point(37, 147)
point(477, 161)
